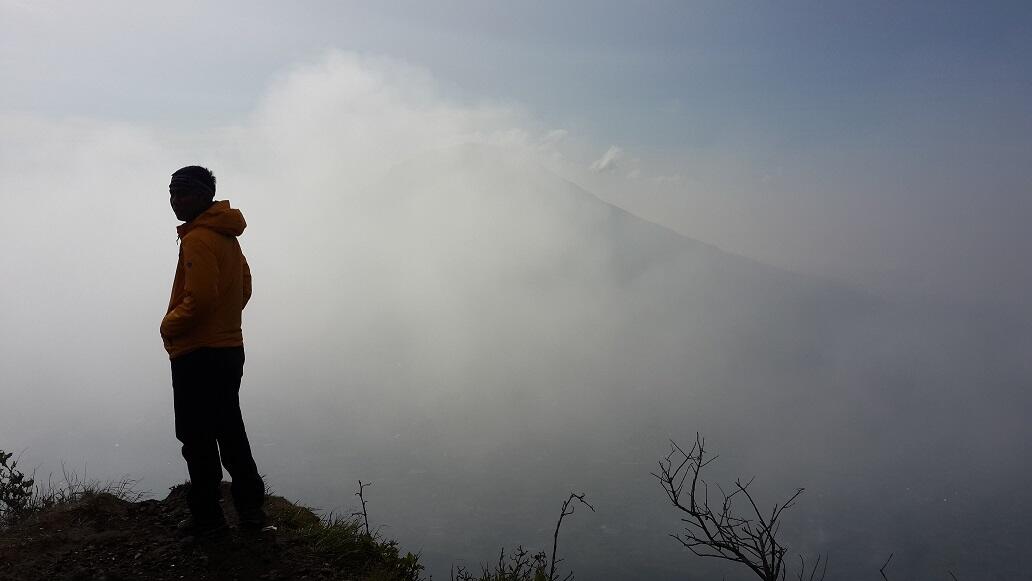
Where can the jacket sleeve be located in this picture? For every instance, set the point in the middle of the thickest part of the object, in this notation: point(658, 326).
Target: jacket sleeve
point(247, 281)
point(201, 269)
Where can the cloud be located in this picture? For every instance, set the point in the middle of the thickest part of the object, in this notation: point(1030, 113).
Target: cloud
point(548, 145)
point(607, 162)
point(670, 179)
point(357, 115)
point(336, 152)
point(554, 136)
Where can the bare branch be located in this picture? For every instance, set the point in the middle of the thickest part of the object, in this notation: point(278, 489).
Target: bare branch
point(882, 570)
point(801, 575)
point(716, 529)
point(361, 496)
point(567, 510)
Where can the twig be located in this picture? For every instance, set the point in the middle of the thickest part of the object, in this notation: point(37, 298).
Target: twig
point(361, 496)
point(882, 570)
point(566, 510)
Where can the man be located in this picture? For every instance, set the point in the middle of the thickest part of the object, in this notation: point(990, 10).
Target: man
point(202, 335)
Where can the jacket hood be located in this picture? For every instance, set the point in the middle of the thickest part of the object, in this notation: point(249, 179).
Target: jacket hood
point(219, 217)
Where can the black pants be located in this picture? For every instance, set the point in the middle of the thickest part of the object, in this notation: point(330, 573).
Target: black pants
point(206, 388)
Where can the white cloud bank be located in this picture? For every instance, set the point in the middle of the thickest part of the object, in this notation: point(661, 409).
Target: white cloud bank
point(90, 239)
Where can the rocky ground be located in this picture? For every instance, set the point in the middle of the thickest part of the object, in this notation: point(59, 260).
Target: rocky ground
point(102, 537)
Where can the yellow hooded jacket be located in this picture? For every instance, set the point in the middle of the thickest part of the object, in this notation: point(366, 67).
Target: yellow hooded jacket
point(212, 284)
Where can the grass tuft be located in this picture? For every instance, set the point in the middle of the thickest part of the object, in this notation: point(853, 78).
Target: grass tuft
point(343, 542)
point(21, 497)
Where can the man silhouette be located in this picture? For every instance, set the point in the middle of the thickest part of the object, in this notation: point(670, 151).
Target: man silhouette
point(201, 332)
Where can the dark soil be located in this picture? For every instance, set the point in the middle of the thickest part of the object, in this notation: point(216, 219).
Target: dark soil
point(101, 537)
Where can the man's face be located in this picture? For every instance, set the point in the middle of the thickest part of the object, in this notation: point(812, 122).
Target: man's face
point(187, 204)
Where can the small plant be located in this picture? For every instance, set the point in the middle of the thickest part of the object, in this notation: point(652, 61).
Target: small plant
point(16, 490)
point(521, 564)
point(21, 497)
point(348, 543)
point(343, 543)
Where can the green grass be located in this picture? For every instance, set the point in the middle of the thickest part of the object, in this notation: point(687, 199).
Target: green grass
point(342, 542)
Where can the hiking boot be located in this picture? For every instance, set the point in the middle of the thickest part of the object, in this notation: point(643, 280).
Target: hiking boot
point(202, 527)
point(252, 519)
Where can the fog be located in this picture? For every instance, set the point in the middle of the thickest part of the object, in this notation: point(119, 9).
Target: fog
point(444, 308)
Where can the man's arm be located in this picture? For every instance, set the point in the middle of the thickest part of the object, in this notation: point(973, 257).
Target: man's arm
point(202, 288)
point(247, 281)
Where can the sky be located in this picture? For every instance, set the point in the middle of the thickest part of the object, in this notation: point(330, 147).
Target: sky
point(440, 285)
point(885, 144)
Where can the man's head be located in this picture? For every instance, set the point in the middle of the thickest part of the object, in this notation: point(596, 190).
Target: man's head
point(191, 191)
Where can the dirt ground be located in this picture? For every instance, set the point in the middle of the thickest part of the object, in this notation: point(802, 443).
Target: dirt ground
point(102, 538)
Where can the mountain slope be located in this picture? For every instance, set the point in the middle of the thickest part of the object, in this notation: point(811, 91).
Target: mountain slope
point(480, 336)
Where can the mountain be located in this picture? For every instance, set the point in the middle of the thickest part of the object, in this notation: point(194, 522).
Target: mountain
point(482, 335)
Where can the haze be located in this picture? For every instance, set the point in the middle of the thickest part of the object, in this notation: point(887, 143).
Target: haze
point(503, 252)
